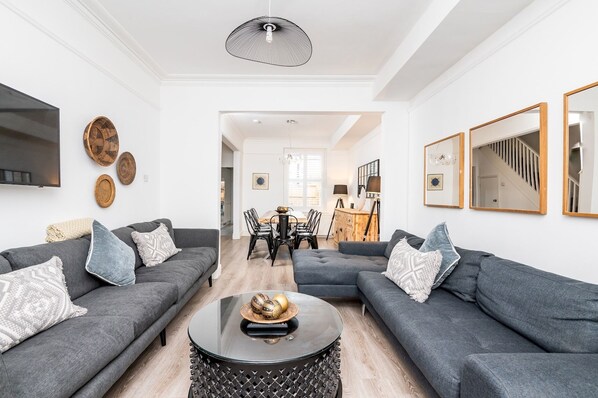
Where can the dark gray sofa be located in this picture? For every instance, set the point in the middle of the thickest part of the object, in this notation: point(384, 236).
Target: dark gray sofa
point(494, 328)
point(85, 356)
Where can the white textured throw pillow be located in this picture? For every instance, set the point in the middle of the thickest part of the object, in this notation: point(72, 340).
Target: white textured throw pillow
point(154, 247)
point(412, 270)
point(32, 300)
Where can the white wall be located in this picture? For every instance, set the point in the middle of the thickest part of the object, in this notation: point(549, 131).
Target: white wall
point(536, 66)
point(51, 52)
point(190, 148)
point(366, 150)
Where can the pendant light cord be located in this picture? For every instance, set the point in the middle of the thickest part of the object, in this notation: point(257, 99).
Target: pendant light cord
point(269, 9)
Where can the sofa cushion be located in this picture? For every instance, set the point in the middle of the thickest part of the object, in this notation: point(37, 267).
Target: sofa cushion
point(60, 360)
point(149, 226)
point(109, 258)
point(180, 273)
point(32, 300)
point(557, 313)
point(124, 234)
point(439, 239)
point(203, 257)
point(4, 265)
point(142, 303)
point(413, 271)
point(414, 241)
point(156, 246)
point(330, 267)
point(463, 281)
point(73, 254)
point(439, 334)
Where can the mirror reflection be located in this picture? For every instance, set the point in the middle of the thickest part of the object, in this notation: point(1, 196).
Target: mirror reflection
point(508, 162)
point(443, 172)
point(580, 166)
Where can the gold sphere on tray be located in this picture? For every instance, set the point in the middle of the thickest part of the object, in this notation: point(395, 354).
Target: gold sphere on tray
point(257, 302)
point(271, 309)
point(282, 300)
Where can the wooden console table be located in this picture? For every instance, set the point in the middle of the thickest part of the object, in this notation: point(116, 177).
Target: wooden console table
point(349, 224)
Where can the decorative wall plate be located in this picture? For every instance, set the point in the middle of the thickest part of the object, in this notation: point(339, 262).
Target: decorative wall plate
point(105, 190)
point(247, 313)
point(126, 168)
point(100, 140)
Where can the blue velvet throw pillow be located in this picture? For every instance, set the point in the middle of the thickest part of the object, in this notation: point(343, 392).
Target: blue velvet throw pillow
point(109, 258)
point(438, 239)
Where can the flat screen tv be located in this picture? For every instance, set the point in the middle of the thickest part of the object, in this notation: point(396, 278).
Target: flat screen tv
point(29, 140)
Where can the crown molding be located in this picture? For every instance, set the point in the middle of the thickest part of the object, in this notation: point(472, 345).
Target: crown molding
point(508, 33)
point(43, 29)
point(273, 80)
point(106, 24)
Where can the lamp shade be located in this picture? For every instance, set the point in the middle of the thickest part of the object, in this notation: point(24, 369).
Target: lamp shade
point(373, 184)
point(340, 190)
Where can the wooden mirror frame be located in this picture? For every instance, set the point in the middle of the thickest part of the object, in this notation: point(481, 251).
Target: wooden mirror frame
point(543, 119)
point(461, 160)
point(566, 152)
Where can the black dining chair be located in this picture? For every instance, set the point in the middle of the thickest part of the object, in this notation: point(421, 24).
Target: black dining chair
point(256, 233)
point(256, 220)
point(310, 234)
point(283, 232)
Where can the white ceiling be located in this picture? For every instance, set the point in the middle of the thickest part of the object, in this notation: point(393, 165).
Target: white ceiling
point(186, 37)
point(400, 46)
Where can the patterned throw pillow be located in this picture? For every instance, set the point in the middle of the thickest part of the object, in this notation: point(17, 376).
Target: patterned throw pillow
point(109, 258)
point(438, 239)
point(412, 270)
point(155, 247)
point(32, 300)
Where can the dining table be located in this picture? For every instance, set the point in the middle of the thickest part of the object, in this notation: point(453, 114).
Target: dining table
point(265, 218)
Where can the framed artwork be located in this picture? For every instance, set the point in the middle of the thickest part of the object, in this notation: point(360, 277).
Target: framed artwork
point(261, 181)
point(364, 172)
point(435, 182)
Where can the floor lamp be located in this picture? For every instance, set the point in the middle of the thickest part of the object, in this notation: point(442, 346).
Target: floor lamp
point(373, 186)
point(338, 190)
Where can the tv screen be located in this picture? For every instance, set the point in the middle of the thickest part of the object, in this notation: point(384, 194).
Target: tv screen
point(29, 140)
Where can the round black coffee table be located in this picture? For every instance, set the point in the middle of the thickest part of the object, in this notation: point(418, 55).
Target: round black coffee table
point(230, 360)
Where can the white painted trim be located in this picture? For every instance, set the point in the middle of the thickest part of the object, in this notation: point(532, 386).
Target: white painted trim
point(105, 23)
point(269, 80)
point(511, 31)
point(36, 24)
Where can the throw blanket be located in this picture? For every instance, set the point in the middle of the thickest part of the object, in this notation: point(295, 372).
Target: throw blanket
point(71, 229)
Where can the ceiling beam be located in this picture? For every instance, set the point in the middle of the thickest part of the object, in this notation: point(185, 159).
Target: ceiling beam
point(431, 19)
point(343, 129)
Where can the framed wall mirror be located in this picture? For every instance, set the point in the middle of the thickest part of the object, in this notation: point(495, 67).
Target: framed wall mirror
point(443, 172)
point(509, 162)
point(580, 165)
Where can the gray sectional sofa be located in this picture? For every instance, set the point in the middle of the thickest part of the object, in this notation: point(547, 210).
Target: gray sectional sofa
point(85, 356)
point(494, 328)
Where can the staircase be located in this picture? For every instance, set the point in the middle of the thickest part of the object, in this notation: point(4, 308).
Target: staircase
point(521, 158)
point(573, 202)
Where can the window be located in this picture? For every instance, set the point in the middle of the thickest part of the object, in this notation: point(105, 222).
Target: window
point(304, 178)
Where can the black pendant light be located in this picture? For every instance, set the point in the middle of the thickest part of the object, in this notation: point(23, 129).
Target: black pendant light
point(270, 40)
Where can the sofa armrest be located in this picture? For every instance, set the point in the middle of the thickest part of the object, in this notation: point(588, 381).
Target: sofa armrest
point(530, 375)
point(197, 237)
point(362, 248)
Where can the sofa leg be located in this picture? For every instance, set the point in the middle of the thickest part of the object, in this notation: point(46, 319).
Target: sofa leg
point(363, 309)
point(210, 280)
point(163, 337)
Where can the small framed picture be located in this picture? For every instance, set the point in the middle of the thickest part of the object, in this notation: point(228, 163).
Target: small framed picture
point(261, 181)
point(435, 182)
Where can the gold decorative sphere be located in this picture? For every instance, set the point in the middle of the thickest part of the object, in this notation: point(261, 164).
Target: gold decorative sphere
point(257, 302)
point(271, 309)
point(282, 300)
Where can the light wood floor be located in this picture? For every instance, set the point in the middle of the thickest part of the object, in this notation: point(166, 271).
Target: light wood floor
point(370, 366)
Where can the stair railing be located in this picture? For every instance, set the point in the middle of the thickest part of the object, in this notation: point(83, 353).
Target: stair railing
point(521, 158)
point(573, 203)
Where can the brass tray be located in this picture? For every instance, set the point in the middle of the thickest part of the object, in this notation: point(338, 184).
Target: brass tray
point(105, 190)
point(251, 316)
point(100, 140)
point(126, 168)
